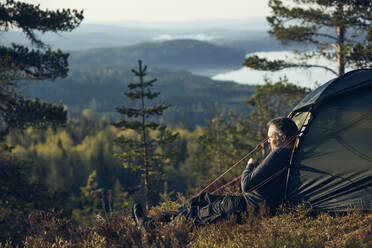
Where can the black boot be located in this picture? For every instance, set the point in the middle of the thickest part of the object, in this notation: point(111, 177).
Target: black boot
point(140, 218)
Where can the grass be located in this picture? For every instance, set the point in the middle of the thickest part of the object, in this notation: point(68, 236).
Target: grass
point(297, 227)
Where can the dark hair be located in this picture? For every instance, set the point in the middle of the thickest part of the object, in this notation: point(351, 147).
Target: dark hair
point(285, 126)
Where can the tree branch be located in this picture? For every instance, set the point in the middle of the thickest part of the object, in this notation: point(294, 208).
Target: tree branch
point(263, 64)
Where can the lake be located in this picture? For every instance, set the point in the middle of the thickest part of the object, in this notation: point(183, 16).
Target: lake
point(303, 77)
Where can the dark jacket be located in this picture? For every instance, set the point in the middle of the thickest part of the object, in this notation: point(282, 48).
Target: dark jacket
point(271, 194)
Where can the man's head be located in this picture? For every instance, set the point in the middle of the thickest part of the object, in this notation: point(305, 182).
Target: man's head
point(281, 132)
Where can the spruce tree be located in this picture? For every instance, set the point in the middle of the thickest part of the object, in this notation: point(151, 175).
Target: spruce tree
point(142, 151)
point(341, 31)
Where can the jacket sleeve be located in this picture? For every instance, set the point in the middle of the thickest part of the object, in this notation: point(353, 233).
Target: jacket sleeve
point(275, 161)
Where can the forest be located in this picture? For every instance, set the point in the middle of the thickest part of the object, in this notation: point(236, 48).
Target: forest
point(71, 170)
point(97, 90)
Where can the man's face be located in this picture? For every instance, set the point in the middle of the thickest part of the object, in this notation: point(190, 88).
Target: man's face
point(275, 140)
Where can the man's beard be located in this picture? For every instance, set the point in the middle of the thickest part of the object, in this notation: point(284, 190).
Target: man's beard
point(275, 145)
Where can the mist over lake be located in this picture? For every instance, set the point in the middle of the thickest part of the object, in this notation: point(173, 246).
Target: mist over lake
point(303, 77)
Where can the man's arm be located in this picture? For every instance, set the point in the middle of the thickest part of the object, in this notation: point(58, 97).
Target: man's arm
point(275, 161)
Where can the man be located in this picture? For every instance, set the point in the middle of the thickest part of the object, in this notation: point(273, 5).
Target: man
point(262, 184)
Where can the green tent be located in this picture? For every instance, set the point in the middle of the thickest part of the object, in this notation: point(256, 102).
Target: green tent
point(332, 165)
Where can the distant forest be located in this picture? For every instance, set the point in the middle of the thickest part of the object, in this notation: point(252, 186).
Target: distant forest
point(96, 91)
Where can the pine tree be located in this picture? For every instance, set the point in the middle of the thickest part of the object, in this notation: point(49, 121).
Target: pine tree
point(271, 100)
point(19, 194)
point(340, 29)
point(91, 199)
point(217, 141)
point(42, 62)
point(120, 197)
point(35, 62)
point(141, 152)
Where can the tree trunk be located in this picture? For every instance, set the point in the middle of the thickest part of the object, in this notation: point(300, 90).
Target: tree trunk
point(340, 51)
point(340, 43)
point(144, 135)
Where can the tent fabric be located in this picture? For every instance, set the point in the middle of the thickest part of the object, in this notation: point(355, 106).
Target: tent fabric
point(332, 165)
point(347, 82)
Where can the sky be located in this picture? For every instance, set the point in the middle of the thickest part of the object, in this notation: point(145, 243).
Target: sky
point(109, 11)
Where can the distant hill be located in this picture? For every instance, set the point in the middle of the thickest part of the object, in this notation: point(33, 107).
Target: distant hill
point(190, 55)
point(96, 91)
point(220, 32)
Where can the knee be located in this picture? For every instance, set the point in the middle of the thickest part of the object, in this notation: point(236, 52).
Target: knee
point(234, 205)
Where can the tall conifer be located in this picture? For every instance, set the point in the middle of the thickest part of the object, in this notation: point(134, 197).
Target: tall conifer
point(142, 152)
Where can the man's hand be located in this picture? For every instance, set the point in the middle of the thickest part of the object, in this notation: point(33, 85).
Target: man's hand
point(252, 161)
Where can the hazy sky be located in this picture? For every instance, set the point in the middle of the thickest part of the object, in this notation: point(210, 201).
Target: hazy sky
point(160, 10)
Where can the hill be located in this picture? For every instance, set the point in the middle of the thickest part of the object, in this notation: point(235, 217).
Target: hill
point(191, 55)
point(250, 35)
point(95, 91)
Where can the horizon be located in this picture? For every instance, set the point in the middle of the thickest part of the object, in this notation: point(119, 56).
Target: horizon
point(148, 11)
point(249, 23)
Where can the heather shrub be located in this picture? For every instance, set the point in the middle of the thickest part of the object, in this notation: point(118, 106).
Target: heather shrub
point(294, 227)
point(297, 227)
